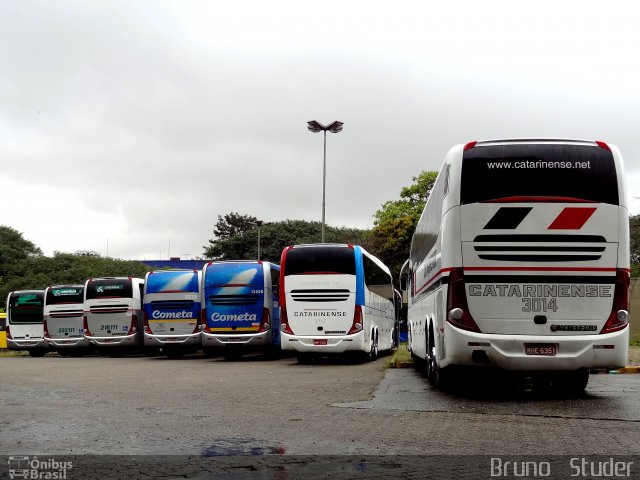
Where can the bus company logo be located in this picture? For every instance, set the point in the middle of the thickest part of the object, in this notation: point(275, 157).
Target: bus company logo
point(320, 313)
point(173, 315)
point(34, 468)
point(237, 317)
point(574, 328)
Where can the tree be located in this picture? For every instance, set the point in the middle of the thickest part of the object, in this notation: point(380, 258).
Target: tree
point(634, 244)
point(38, 272)
point(14, 248)
point(274, 236)
point(396, 220)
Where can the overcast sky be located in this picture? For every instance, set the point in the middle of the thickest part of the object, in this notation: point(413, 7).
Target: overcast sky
point(131, 125)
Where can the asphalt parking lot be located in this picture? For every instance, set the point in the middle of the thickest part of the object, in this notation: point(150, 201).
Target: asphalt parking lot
point(260, 408)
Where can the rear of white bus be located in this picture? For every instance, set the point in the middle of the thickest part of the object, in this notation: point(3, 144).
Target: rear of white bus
point(320, 313)
point(25, 330)
point(544, 283)
point(113, 312)
point(63, 318)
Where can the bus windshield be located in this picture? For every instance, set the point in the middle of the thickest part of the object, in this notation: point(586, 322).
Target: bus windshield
point(539, 172)
point(57, 295)
point(26, 307)
point(109, 288)
point(320, 260)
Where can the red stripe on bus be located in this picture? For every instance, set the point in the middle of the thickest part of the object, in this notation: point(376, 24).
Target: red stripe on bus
point(572, 218)
point(544, 269)
point(433, 278)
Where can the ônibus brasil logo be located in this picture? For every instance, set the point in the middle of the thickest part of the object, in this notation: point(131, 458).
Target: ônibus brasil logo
point(34, 468)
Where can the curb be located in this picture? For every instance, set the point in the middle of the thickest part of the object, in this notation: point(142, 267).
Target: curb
point(629, 369)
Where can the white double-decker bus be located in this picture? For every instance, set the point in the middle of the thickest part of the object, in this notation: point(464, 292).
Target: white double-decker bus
point(521, 261)
point(334, 299)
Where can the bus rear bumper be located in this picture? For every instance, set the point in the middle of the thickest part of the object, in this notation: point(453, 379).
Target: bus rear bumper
point(115, 341)
point(62, 343)
point(554, 352)
point(316, 344)
point(191, 340)
point(25, 344)
point(236, 340)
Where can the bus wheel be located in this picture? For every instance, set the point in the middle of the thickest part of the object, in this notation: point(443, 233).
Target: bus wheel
point(433, 369)
point(39, 352)
point(304, 358)
point(373, 353)
point(573, 383)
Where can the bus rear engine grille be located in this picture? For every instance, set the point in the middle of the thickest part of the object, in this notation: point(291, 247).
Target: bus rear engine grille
point(109, 308)
point(66, 314)
point(549, 248)
point(172, 304)
point(320, 295)
point(230, 300)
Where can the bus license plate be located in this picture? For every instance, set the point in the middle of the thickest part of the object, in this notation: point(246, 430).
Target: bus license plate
point(319, 341)
point(547, 349)
point(234, 339)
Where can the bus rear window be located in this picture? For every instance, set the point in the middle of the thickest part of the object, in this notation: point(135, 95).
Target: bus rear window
point(501, 172)
point(26, 307)
point(109, 288)
point(56, 295)
point(312, 260)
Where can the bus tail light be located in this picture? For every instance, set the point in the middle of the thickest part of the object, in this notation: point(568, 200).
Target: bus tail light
point(284, 320)
point(147, 328)
point(357, 321)
point(204, 326)
point(46, 329)
point(133, 328)
point(619, 317)
point(458, 311)
point(85, 326)
point(266, 320)
point(198, 322)
point(9, 337)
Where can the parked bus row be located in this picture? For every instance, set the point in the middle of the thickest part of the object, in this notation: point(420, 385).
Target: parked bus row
point(326, 299)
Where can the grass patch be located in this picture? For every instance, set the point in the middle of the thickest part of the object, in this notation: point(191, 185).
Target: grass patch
point(400, 358)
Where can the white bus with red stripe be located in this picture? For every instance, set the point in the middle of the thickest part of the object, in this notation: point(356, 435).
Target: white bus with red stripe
point(521, 261)
point(113, 317)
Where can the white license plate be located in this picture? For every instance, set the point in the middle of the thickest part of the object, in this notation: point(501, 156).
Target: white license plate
point(319, 341)
point(543, 349)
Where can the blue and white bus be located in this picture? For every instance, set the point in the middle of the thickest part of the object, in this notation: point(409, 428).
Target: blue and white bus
point(336, 298)
point(171, 306)
point(240, 307)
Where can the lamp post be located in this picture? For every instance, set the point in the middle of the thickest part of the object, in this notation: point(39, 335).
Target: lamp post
point(333, 127)
point(259, 224)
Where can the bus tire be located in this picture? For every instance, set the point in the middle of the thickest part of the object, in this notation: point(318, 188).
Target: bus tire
point(304, 358)
point(573, 383)
point(434, 372)
point(373, 351)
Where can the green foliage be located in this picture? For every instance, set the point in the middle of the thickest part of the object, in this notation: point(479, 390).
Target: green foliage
point(274, 237)
point(38, 272)
point(635, 270)
point(396, 220)
point(634, 244)
point(14, 248)
point(412, 200)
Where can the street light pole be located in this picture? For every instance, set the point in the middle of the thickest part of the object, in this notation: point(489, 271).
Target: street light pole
point(259, 224)
point(334, 127)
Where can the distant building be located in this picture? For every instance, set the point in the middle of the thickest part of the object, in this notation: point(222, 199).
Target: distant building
point(175, 262)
